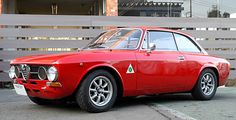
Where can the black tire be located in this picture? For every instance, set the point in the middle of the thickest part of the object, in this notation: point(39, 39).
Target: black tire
point(40, 101)
point(199, 91)
point(83, 95)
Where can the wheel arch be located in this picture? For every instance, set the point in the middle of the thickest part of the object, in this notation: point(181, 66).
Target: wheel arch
point(212, 67)
point(109, 69)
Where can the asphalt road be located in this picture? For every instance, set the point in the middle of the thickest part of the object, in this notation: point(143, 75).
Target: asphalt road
point(163, 107)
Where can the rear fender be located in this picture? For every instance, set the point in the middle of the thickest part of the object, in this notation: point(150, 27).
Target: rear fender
point(207, 66)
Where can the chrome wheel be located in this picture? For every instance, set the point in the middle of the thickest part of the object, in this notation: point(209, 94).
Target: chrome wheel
point(207, 84)
point(100, 90)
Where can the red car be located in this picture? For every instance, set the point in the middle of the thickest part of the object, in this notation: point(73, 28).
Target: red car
point(118, 63)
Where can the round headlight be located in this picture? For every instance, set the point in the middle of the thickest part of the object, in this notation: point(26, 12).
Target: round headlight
point(12, 73)
point(17, 72)
point(42, 73)
point(52, 74)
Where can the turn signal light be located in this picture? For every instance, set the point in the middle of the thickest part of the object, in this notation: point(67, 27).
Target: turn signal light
point(53, 84)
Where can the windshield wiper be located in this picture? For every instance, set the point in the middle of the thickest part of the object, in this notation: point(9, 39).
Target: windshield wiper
point(96, 45)
point(99, 47)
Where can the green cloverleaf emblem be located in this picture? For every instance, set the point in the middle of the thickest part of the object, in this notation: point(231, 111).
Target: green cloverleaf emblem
point(130, 69)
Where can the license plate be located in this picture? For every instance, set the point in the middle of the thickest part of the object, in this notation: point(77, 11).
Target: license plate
point(20, 89)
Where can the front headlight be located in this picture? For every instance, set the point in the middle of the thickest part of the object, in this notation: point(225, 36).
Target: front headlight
point(52, 74)
point(12, 73)
point(42, 73)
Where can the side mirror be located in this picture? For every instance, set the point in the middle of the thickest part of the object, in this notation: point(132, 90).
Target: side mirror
point(152, 46)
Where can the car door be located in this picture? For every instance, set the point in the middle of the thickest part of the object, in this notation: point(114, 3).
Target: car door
point(193, 58)
point(161, 69)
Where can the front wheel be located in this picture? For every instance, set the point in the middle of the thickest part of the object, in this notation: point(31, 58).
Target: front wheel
point(98, 92)
point(206, 85)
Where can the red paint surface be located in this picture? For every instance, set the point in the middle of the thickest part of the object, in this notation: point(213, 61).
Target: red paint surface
point(156, 72)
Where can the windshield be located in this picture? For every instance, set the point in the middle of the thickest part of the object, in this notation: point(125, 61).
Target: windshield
point(116, 39)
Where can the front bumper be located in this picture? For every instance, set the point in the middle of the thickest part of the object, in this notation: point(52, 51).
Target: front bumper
point(38, 88)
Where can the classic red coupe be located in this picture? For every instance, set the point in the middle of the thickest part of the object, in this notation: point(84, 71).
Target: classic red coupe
point(118, 63)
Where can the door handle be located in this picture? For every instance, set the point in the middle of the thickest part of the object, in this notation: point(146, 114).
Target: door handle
point(181, 57)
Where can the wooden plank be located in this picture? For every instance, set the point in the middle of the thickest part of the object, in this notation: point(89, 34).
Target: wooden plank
point(45, 20)
point(232, 63)
point(33, 32)
point(4, 77)
point(159, 21)
point(232, 74)
point(8, 55)
point(218, 43)
point(218, 52)
point(223, 54)
point(4, 66)
point(7, 43)
point(65, 20)
point(210, 34)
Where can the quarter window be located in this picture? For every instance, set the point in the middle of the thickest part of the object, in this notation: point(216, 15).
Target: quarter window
point(163, 40)
point(185, 44)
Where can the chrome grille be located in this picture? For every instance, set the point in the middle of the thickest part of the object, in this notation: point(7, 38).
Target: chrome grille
point(34, 71)
point(28, 71)
point(25, 71)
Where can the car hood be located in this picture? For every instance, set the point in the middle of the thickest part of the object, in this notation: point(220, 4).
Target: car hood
point(42, 59)
point(73, 57)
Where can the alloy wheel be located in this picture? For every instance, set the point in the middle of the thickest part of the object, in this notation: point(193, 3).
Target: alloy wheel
point(207, 84)
point(100, 90)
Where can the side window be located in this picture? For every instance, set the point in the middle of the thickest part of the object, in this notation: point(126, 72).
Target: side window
point(163, 40)
point(185, 44)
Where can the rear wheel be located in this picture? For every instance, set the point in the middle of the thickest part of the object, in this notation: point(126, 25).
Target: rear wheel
point(206, 85)
point(98, 92)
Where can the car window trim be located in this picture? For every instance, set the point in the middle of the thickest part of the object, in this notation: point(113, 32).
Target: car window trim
point(137, 47)
point(177, 47)
point(191, 40)
point(158, 50)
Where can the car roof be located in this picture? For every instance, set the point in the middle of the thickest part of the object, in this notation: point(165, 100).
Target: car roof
point(162, 29)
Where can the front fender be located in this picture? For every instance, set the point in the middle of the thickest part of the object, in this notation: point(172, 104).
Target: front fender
point(94, 67)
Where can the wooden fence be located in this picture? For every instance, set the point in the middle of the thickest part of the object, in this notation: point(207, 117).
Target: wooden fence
point(22, 35)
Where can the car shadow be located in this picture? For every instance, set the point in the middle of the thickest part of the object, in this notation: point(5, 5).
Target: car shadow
point(132, 101)
point(128, 102)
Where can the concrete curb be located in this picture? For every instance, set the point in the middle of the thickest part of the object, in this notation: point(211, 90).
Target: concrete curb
point(170, 114)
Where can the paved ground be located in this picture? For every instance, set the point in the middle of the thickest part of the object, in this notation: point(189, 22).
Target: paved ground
point(164, 107)
point(222, 107)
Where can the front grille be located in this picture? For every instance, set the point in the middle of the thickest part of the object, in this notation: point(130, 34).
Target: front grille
point(25, 74)
point(34, 76)
point(29, 73)
point(34, 68)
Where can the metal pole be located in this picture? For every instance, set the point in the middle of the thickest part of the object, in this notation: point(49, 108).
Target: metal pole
point(218, 8)
point(170, 9)
point(191, 9)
